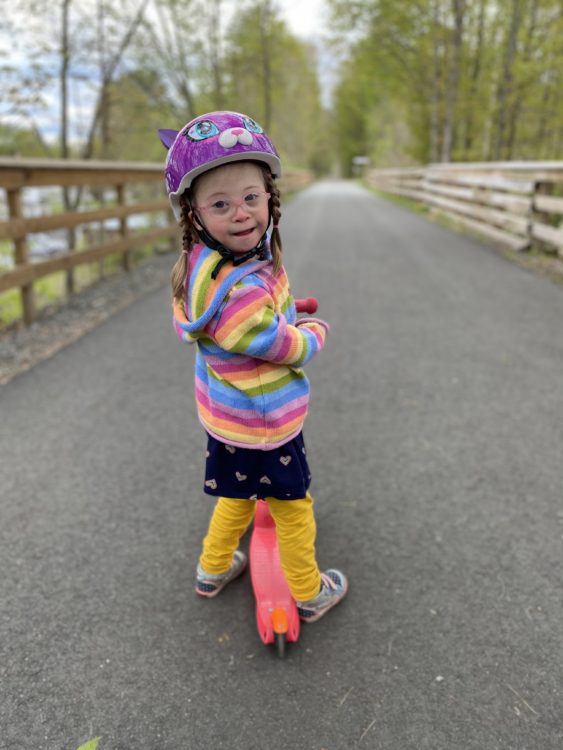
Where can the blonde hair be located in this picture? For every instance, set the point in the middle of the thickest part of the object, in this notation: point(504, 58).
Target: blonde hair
point(190, 236)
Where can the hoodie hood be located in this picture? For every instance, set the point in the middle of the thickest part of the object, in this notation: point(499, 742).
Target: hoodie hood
point(205, 295)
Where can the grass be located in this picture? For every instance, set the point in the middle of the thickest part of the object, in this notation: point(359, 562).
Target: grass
point(50, 291)
point(536, 259)
point(400, 200)
point(90, 745)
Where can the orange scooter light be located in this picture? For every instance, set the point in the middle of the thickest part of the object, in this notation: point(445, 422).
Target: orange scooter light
point(279, 620)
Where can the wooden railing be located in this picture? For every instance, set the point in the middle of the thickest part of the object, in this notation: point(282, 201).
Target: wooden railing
point(18, 175)
point(519, 204)
point(128, 180)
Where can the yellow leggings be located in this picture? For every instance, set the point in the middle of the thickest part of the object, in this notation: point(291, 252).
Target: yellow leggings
point(295, 529)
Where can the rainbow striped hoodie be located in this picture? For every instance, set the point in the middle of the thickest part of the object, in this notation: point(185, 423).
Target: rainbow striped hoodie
point(249, 386)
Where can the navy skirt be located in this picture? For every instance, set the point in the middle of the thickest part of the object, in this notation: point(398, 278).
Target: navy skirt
point(249, 474)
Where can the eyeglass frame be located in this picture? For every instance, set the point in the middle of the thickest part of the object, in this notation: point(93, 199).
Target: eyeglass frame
point(234, 204)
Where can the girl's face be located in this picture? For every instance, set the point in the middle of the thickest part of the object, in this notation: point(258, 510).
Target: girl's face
point(240, 226)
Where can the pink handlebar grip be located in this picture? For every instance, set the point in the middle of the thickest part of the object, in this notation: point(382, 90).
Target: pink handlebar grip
point(309, 305)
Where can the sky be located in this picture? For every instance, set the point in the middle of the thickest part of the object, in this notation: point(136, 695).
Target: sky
point(304, 17)
point(307, 19)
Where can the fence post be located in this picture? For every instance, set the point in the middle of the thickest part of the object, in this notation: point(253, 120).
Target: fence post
point(123, 228)
point(21, 255)
point(540, 188)
point(70, 238)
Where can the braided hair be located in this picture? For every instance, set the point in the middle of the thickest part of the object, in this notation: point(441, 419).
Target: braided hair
point(190, 235)
point(189, 239)
point(275, 202)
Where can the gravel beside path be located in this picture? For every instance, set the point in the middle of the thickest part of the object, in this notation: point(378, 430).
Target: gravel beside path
point(23, 347)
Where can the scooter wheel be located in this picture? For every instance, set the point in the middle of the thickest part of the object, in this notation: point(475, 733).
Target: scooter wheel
point(279, 642)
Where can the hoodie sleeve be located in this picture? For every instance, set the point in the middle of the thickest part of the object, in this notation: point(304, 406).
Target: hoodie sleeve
point(248, 324)
point(180, 322)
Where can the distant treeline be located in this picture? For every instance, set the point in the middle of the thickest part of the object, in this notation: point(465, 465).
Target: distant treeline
point(449, 80)
point(419, 80)
point(120, 71)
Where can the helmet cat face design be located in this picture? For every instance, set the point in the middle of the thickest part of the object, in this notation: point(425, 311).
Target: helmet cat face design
point(209, 141)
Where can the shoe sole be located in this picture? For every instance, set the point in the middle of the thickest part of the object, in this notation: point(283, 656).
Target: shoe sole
point(326, 609)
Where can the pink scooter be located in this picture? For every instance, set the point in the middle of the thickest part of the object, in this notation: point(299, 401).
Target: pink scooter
point(276, 613)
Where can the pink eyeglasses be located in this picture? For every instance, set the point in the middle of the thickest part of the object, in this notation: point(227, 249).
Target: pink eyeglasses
point(226, 206)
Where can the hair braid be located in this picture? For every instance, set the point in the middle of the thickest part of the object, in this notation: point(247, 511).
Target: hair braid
point(189, 238)
point(275, 202)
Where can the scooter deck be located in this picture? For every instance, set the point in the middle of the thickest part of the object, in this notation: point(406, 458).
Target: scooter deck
point(276, 611)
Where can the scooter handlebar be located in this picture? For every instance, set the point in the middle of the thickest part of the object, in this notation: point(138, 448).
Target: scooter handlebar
point(309, 305)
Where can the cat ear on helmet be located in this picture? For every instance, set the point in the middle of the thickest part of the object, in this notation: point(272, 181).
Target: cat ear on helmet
point(167, 137)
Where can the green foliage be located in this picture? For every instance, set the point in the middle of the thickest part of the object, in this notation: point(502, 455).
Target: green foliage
point(178, 61)
point(16, 141)
point(137, 109)
point(465, 80)
point(420, 80)
point(50, 291)
point(90, 745)
point(272, 76)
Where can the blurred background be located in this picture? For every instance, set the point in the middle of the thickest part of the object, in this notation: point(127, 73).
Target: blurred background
point(346, 88)
point(399, 82)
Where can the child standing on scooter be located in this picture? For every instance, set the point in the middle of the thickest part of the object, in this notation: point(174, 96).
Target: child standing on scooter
point(232, 299)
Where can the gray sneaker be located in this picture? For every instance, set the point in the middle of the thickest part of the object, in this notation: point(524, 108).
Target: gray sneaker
point(210, 585)
point(334, 586)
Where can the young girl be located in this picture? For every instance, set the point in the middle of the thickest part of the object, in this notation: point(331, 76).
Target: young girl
point(232, 298)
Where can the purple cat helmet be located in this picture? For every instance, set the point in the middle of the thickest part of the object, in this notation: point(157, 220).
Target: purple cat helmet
point(211, 140)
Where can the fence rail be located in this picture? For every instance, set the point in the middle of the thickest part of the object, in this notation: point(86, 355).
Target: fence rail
point(519, 204)
point(20, 175)
point(126, 180)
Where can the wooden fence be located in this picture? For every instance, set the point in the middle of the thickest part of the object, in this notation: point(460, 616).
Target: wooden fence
point(519, 204)
point(127, 180)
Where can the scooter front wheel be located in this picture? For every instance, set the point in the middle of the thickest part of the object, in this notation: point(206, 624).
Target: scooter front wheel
point(279, 642)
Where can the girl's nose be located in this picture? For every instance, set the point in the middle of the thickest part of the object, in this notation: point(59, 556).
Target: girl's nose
point(241, 208)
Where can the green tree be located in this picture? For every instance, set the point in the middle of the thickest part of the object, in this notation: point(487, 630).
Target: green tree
point(475, 80)
point(16, 141)
point(138, 106)
point(272, 75)
point(169, 55)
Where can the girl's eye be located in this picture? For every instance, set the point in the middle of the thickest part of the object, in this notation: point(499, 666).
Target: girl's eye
point(251, 199)
point(202, 130)
point(220, 205)
point(251, 125)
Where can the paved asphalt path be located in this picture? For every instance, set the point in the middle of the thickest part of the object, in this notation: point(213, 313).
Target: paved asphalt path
point(436, 442)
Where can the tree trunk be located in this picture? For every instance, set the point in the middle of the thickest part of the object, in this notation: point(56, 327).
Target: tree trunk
point(65, 66)
point(183, 76)
point(543, 129)
point(516, 108)
point(458, 8)
point(215, 50)
point(265, 36)
point(108, 73)
point(65, 62)
point(435, 87)
point(475, 75)
point(505, 85)
point(104, 97)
